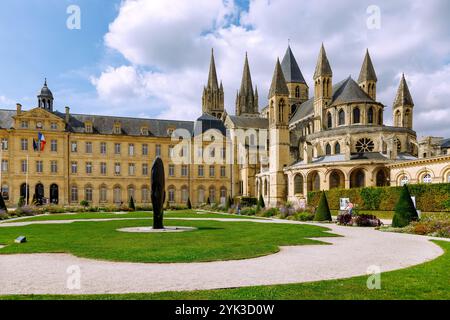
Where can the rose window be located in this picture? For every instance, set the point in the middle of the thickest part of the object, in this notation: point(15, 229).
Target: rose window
point(364, 145)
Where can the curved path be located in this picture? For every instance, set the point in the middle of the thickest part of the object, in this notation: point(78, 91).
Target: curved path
point(348, 256)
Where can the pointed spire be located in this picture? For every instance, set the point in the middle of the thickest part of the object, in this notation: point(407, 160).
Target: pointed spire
point(278, 85)
point(403, 96)
point(212, 78)
point(323, 65)
point(367, 70)
point(45, 82)
point(246, 84)
point(290, 68)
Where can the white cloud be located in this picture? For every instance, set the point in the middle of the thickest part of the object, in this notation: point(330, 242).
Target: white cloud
point(167, 44)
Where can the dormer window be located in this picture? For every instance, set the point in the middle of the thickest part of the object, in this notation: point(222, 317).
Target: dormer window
point(88, 127)
point(117, 128)
point(170, 131)
point(24, 124)
point(144, 131)
point(54, 126)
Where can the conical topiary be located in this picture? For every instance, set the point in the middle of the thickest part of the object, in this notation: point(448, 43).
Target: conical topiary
point(323, 210)
point(261, 202)
point(228, 203)
point(404, 211)
point(189, 204)
point(131, 204)
point(208, 201)
point(3, 205)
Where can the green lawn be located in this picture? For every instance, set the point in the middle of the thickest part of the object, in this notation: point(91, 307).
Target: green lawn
point(430, 280)
point(213, 240)
point(137, 214)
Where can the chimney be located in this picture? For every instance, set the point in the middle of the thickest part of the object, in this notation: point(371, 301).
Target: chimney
point(19, 109)
point(67, 115)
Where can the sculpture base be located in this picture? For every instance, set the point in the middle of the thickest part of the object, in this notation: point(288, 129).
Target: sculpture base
point(151, 230)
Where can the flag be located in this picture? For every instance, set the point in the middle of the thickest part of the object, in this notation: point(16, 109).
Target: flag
point(35, 145)
point(42, 141)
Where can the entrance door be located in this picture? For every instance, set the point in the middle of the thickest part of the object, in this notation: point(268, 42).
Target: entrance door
point(39, 191)
point(54, 194)
point(25, 192)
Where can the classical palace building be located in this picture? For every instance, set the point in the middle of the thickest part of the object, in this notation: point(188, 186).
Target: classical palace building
point(329, 135)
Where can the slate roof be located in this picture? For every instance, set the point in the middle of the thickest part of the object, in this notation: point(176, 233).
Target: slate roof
point(278, 85)
point(445, 143)
point(105, 124)
point(346, 91)
point(249, 122)
point(323, 65)
point(403, 96)
point(206, 122)
point(367, 70)
point(290, 68)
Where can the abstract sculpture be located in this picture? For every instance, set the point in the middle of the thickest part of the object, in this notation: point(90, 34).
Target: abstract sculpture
point(158, 193)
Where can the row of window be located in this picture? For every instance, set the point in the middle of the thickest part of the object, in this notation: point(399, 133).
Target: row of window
point(25, 124)
point(356, 117)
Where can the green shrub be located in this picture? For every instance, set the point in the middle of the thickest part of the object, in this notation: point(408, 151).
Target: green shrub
point(429, 197)
point(405, 212)
point(21, 202)
point(304, 216)
point(248, 201)
point(248, 212)
point(144, 208)
point(84, 203)
point(323, 210)
point(271, 212)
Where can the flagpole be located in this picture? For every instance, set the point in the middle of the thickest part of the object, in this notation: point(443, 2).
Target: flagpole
point(26, 183)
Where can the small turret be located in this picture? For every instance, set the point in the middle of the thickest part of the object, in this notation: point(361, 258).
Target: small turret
point(403, 106)
point(367, 77)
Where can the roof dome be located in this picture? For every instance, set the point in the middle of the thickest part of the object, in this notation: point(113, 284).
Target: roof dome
point(45, 91)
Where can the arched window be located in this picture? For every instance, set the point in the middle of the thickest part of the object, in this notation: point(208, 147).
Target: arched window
point(356, 115)
point(329, 120)
point(337, 148)
point(397, 119)
point(404, 180)
point(171, 194)
point(297, 91)
point(88, 193)
point(341, 116)
point(131, 192)
point(399, 145)
point(281, 111)
point(265, 187)
point(407, 118)
point(103, 193)
point(370, 115)
point(184, 194)
point(145, 194)
point(212, 194)
point(298, 184)
point(427, 178)
point(5, 192)
point(117, 195)
point(223, 194)
point(380, 117)
point(201, 195)
point(74, 193)
point(328, 149)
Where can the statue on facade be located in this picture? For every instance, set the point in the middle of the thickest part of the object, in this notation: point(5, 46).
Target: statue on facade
point(158, 193)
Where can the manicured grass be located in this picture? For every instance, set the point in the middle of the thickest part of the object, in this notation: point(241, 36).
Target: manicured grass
point(423, 282)
point(137, 214)
point(213, 240)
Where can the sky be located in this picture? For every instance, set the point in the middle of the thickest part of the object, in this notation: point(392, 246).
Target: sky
point(150, 58)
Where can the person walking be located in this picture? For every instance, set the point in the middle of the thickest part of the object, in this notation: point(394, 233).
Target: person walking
point(239, 209)
point(350, 207)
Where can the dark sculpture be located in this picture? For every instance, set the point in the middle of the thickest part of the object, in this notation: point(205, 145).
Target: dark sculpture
point(158, 193)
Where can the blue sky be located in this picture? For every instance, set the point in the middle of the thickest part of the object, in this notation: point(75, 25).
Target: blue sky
point(150, 58)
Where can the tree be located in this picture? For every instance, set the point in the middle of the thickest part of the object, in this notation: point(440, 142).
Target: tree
point(84, 203)
point(323, 210)
point(208, 201)
point(189, 204)
point(404, 211)
point(261, 201)
point(131, 204)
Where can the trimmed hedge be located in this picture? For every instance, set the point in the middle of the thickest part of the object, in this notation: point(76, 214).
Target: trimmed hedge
point(429, 197)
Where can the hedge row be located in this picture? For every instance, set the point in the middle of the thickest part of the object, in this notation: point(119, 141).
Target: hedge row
point(429, 197)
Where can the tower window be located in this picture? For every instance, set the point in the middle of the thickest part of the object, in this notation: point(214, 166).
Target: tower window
point(297, 92)
point(370, 115)
point(337, 148)
point(328, 149)
point(281, 111)
point(329, 120)
point(341, 116)
point(356, 115)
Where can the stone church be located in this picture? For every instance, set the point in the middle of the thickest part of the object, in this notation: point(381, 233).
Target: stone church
point(301, 141)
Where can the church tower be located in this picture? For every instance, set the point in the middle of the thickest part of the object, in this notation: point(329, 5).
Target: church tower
point(298, 88)
point(247, 99)
point(367, 77)
point(213, 97)
point(279, 155)
point(323, 77)
point(45, 98)
point(403, 106)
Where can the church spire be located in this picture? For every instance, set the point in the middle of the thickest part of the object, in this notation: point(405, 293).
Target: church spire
point(245, 101)
point(278, 85)
point(403, 96)
point(212, 78)
point(323, 68)
point(213, 96)
point(290, 68)
point(367, 70)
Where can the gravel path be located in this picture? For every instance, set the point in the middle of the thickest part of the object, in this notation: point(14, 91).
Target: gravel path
point(348, 256)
